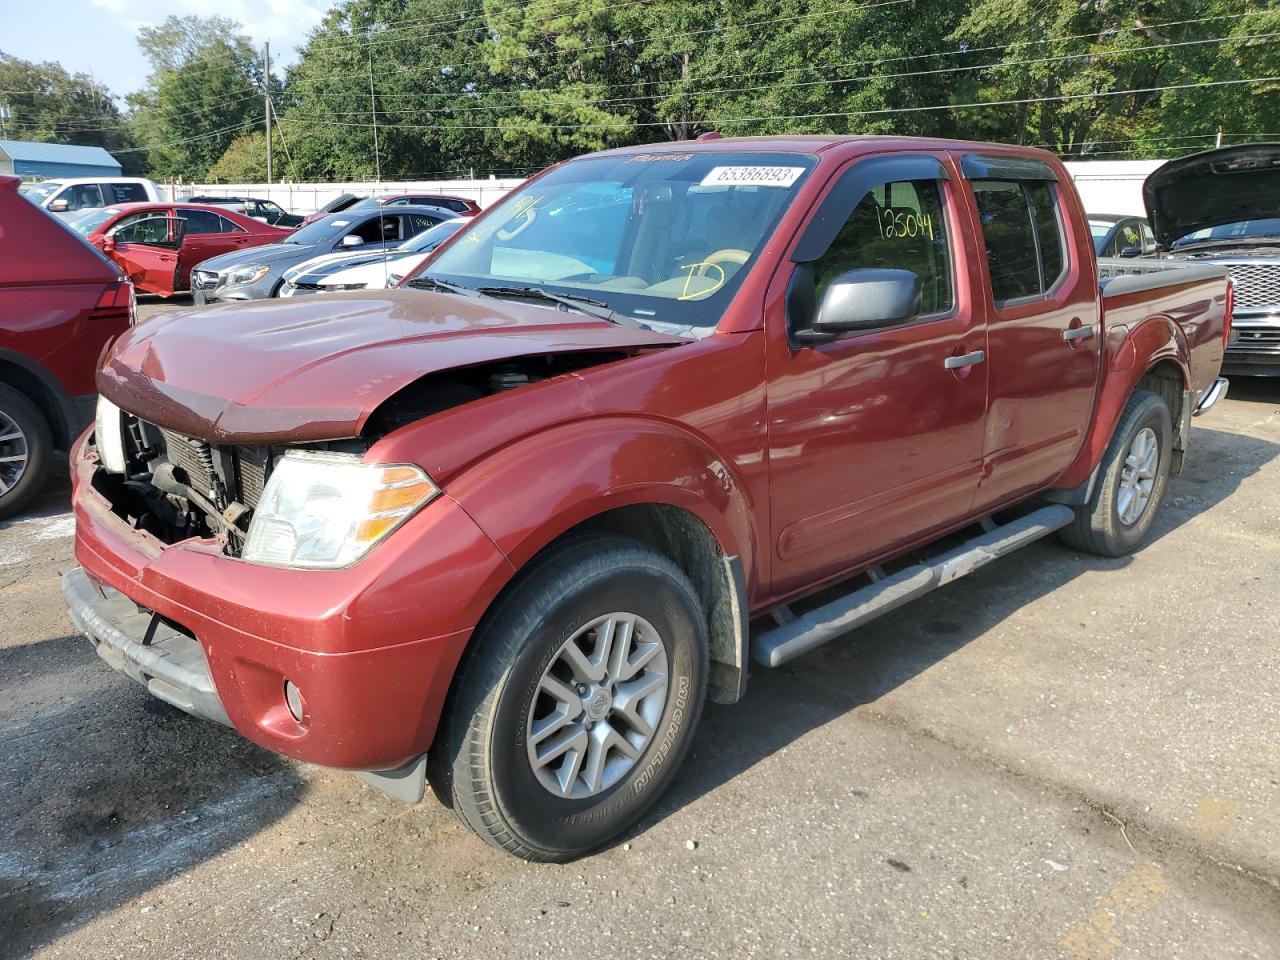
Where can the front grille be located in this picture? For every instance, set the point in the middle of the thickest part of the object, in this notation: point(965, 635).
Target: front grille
point(1254, 340)
point(203, 280)
point(1257, 284)
point(251, 462)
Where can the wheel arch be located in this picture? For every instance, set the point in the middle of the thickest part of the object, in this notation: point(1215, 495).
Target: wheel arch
point(678, 497)
point(41, 388)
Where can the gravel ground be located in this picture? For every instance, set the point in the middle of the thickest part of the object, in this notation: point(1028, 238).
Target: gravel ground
point(1062, 756)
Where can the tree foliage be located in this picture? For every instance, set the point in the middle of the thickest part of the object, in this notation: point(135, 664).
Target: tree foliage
point(204, 92)
point(450, 87)
point(48, 105)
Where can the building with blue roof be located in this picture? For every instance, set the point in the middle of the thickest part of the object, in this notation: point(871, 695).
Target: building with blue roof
point(44, 160)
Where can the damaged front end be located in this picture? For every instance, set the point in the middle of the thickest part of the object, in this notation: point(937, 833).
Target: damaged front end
point(177, 487)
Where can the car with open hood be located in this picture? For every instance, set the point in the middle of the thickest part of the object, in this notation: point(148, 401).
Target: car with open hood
point(1223, 207)
point(658, 412)
point(259, 274)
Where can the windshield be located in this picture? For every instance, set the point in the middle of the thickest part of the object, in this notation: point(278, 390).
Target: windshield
point(88, 221)
point(325, 230)
point(1242, 230)
point(40, 192)
point(428, 240)
point(662, 236)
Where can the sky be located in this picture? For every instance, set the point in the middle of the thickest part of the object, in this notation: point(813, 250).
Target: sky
point(98, 36)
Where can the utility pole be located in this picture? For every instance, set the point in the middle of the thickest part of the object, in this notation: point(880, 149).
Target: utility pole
point(1218, 141)
point(373, 114)
point(266, 100)
point(4, 115)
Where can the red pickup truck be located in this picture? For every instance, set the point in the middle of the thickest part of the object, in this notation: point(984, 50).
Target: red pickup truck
point(657, 413)
point(60, 303)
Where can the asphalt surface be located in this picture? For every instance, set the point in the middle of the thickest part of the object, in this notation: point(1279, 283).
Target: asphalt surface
point(1060, 756)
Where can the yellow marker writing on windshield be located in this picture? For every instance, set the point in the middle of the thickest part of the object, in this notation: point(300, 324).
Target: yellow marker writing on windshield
point(703, 266)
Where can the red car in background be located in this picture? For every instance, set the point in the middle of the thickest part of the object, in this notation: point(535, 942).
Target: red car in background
point(158, 244)
point(61, 302)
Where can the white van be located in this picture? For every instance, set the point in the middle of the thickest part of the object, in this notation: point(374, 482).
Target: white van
point(73, 194)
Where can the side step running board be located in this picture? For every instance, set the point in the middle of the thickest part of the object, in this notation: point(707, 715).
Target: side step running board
point(800, 635)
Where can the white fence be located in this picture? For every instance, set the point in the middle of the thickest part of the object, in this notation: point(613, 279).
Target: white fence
point(309, 197)
point(1107, 186)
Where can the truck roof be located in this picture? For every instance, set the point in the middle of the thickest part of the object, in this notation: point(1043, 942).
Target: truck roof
point(820, 143)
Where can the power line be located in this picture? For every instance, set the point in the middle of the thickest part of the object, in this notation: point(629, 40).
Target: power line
point(649, 38)
point(960, 51)
point(808, 83)
point(712, 121)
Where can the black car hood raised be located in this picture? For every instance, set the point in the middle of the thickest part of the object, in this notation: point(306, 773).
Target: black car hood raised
point(1213, 188)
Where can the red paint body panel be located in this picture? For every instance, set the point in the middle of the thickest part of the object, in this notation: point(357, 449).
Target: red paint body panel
point(359, 642)
point(161, 271)
point(806, 462)
point(50, 285)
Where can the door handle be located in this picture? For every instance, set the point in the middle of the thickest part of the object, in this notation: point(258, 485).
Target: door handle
point(964, 360)
point(1078, 333)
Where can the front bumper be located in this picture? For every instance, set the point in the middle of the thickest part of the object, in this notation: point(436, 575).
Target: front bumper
point(372, 647)
point(1217, 390)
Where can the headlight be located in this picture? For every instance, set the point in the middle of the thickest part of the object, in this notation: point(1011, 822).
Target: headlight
point(243, 276)
point(327, 509)
point(108, 434)
point(394, 280)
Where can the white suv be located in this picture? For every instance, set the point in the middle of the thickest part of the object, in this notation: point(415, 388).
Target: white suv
point(72, 194)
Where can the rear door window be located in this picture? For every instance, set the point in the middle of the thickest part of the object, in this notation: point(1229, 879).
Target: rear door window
point(1026, 254)
point(124, 193)
point(230, 227)
point(201, 221)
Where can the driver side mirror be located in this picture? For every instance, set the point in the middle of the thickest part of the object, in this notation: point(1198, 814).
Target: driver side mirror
point(864, 299)
point(351, 240)
point(1131, 252)
point(59, 206)
point(109, 242)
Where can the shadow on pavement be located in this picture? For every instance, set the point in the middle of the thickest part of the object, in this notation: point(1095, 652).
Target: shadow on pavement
point(106, 792)
point(783, 705)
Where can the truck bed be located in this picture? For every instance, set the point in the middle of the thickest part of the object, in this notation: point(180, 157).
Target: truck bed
point(1134, 290)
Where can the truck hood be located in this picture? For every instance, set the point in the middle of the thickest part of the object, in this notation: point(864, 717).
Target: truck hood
point(316, 368)
point(1211, 189)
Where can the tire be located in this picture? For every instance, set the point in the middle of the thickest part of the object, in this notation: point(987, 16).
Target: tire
point(22, 480)
point(488, 762)
point(1115, 520)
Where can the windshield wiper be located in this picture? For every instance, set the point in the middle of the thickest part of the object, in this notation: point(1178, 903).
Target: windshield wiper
point(592, 308)
point(431, 283)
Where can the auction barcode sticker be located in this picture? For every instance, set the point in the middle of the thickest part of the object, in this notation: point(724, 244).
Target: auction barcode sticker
point(752, 176)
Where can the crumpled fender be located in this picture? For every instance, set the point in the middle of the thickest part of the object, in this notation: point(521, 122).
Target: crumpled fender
point(532, 491)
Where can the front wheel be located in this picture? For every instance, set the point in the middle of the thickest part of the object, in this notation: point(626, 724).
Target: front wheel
point(577, 701)
point(1131, 482)
point(26, 450)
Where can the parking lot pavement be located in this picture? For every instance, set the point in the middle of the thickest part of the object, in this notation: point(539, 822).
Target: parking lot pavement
point(1061, 756)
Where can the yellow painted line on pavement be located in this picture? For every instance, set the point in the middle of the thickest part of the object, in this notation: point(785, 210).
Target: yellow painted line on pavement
point(1098, 936)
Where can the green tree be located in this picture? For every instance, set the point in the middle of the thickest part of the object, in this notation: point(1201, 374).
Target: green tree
point(204, 92)
point(49, 105)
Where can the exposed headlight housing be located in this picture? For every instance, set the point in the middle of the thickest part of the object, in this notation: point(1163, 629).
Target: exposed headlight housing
point(243, 276)
point(108, 434)
point(345, 286)
point(326, 510)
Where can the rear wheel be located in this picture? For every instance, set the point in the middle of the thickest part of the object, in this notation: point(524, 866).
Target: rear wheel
point(1131, 482)
point(577, 701)
point(26, 450)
